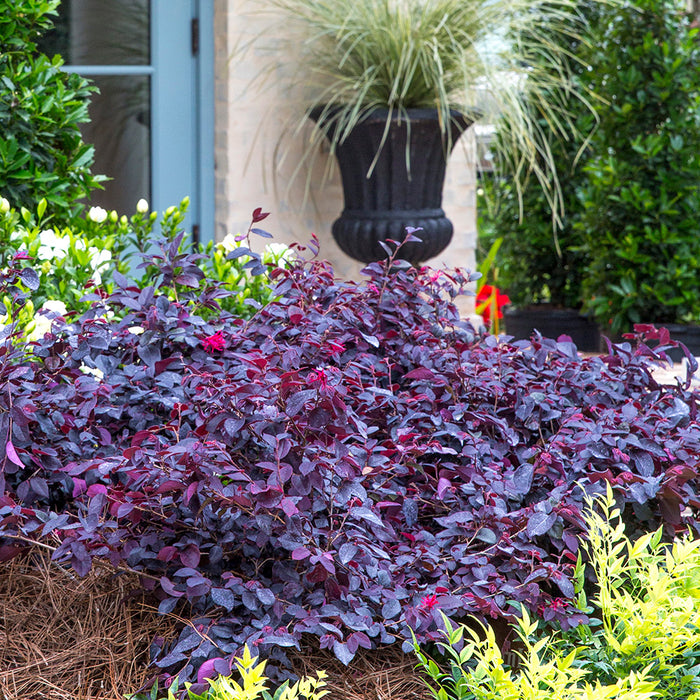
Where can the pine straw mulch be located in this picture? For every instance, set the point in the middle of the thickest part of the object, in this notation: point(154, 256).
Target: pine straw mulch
point(380, 674)
point(68, 638)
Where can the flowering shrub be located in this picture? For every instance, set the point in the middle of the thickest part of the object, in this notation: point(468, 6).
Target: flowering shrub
point(71, 263)
point(67, 261)
point(351, 463)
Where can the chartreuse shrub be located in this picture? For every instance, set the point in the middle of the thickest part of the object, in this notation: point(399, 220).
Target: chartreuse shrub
point(478, 671)
point(642, 638)
point(252, 685)
point(42, 154)
point(346, 465)
point(645, 614)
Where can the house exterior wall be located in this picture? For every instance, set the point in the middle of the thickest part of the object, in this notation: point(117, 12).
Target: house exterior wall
point(249, 123)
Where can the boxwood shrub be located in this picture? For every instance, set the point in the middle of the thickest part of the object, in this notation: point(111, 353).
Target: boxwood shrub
point(350, 463)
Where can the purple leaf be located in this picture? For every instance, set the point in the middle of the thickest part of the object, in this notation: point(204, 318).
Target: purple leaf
point(539, 523)
point(12, 454)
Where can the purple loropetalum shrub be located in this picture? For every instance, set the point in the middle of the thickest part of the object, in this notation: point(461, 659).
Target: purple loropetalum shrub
point(351, 463)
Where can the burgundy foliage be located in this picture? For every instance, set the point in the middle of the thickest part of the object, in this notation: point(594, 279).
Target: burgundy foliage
point(350, 463)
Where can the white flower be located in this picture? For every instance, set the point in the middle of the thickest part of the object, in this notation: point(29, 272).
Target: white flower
point(92, 370)
point(97, 214)
point(40, 326)
point(99, 260)
point(142, 206)
point(52, 246)
point(229, 243)
point(280, 252)
point(54, 305)
point(135, 330)
point(4, 205)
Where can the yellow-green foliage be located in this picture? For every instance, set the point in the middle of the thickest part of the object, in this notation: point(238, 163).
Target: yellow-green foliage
point(253, 685)
point(648, 599)
point(643, 639)
point(478, 670)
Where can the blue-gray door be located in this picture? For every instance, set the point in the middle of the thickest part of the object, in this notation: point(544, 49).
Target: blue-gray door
point(152, 123)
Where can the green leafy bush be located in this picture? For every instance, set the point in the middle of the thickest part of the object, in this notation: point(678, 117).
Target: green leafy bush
point(42, 154)
point(642, 193)
point(644, 642)
point(75, 265)
point(536, 263)
point(541, 259)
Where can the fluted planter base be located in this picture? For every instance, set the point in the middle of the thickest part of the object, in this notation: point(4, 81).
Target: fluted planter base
point(359, 233)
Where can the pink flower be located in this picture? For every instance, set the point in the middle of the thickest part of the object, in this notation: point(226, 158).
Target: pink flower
point(620, 456)
point(214, 342)
point(335, 348)
point(428, 602)
point(319, 376)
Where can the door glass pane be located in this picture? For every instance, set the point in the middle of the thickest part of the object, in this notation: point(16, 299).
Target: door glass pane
point(120, 129)
point(112, 33)
point(101, 32)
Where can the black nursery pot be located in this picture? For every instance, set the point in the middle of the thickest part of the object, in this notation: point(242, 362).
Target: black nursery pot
point(381, 206)
point(552, 322)
point(689, 335)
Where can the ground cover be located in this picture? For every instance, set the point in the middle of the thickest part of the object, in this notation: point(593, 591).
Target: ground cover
point(347, 465)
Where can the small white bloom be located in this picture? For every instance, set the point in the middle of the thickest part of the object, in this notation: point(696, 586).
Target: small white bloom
point(92, 370)
point(229, 243)
point(280, 252)
point(135, 330)
point(40, 326)
point(99, 260)
point(52, 246)
point(4, 205)
point(142, 206)
point(54, 305)
point(97, 214)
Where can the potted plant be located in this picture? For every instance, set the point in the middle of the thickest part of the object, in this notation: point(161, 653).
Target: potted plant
point(540, 261)
point(393, 84)
point(641, 196)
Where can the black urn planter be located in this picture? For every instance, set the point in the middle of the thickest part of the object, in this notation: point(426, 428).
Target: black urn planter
point(381, 206)
point(552, 322)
